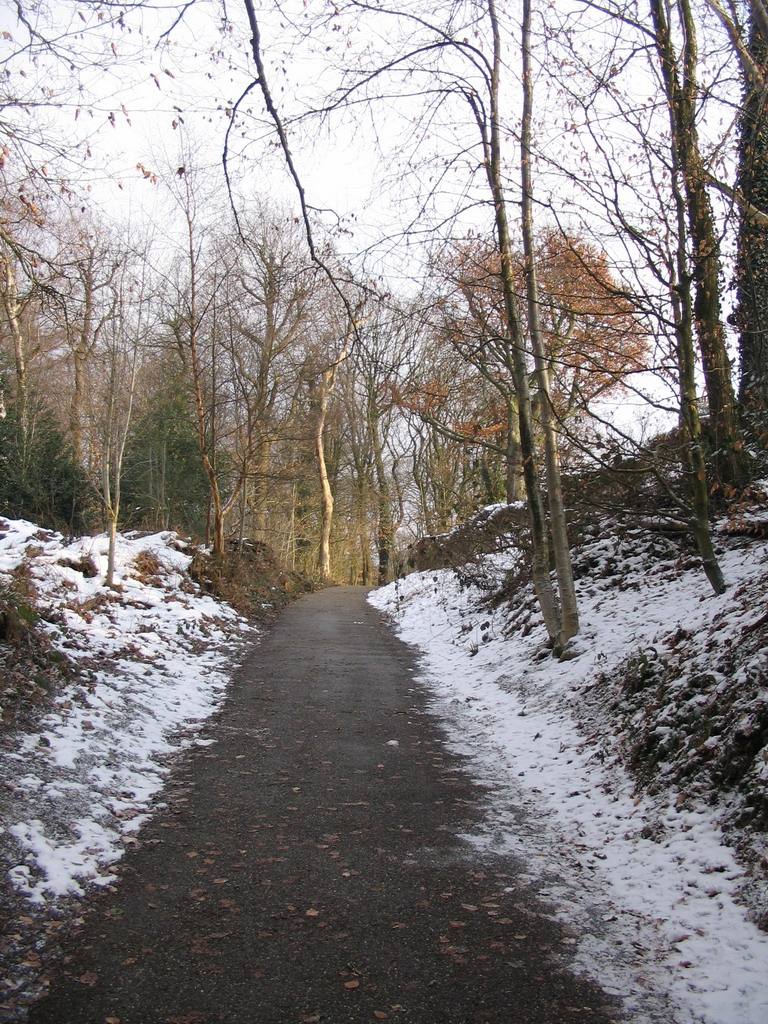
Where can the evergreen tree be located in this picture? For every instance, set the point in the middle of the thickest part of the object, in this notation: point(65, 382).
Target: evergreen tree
point(164, 486)
point(40, 477)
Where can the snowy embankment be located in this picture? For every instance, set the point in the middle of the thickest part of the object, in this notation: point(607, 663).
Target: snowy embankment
point(151, 659)
point(649, 889)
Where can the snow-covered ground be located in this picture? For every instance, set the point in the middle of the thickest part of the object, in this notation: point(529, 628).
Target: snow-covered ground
point(152, 659)
point(646, 884)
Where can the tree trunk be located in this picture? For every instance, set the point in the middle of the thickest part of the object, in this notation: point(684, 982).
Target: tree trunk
point(215, 522)
point(569, 617)
point(751, 315)
point(681, 98)
point(513, 479)
point(694, 464)
point(491, 134)
point(12, 309)
point(385, 526)
point(326, 494)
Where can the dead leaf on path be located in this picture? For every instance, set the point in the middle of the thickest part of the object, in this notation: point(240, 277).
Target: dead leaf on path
point(313, 1019)
point(380, 1015)
point(192, 854)
point(89, 978)
point(312, 912)
point(111, 1020)
point(468, 906)
point(458, 924)
point(398, 925)
point(352, 984)
point(220, 881)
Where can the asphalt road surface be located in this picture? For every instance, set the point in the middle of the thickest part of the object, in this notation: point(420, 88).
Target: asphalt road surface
point(308, 870)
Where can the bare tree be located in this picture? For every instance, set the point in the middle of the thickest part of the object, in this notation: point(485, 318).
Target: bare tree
point(120, 357)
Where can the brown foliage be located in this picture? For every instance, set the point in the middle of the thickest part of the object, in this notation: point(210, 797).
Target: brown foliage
point(593, 339)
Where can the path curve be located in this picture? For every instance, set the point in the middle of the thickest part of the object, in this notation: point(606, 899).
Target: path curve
point(307, 868)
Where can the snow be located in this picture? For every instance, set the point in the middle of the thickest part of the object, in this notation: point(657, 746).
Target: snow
point(649, 891)
point(154, 656)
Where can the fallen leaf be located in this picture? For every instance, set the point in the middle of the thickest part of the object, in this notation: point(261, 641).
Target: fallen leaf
point(468, 906)
point(380, 1015)
point(352, 984)
point(220, 881)
point(312, 912)
point(89, 978)
point(458, 924)
point(111, 1020)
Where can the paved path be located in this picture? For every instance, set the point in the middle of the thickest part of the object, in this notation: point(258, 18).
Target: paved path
point(308, 870)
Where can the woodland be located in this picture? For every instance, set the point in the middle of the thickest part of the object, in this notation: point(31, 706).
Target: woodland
point(554, 292)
